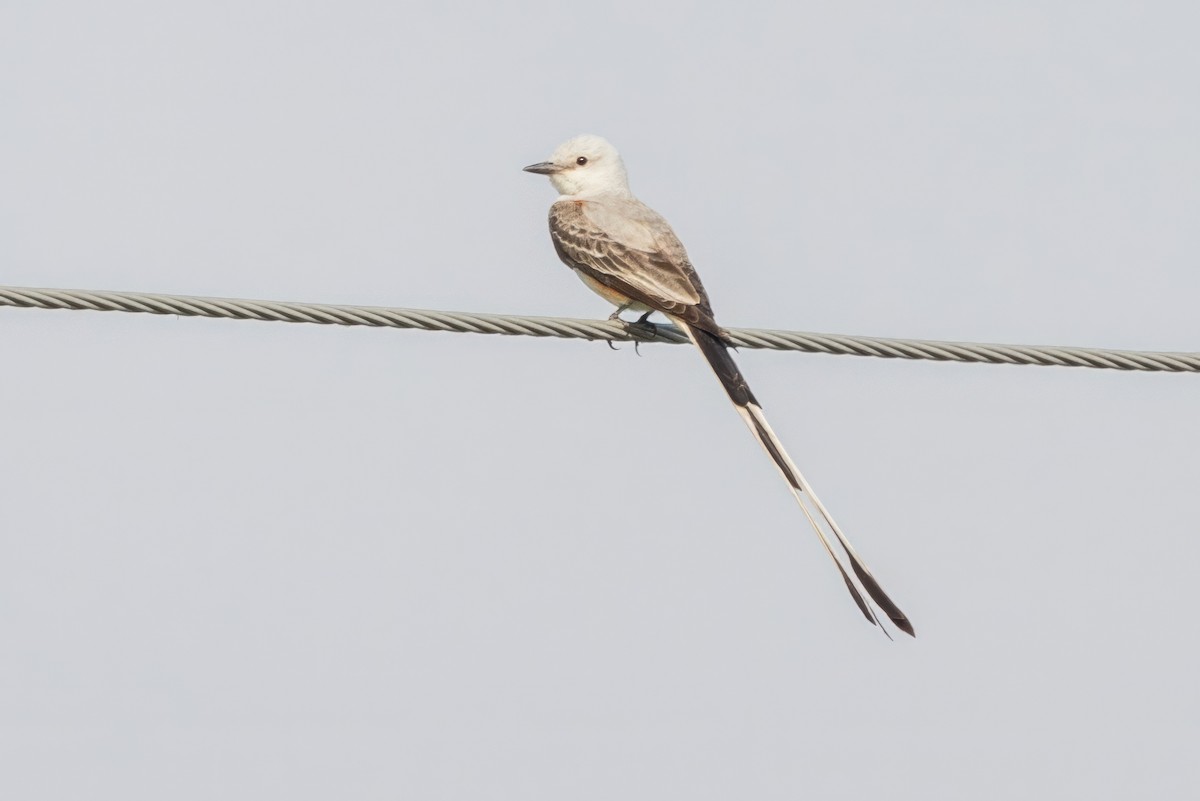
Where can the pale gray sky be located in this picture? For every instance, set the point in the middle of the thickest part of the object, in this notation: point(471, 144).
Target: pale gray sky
point(241, 560)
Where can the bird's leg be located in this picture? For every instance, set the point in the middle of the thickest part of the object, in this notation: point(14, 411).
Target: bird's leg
point(644, 327)
point(643, 324)
point(647, 328)
point(617, 314)
point(616, 318)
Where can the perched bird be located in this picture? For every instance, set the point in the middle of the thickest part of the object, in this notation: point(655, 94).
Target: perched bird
point(628, 254)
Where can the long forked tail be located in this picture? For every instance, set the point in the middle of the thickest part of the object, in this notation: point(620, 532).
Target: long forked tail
point(716, 352)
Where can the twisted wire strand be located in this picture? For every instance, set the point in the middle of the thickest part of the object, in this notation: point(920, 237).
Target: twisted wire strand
point(573, 328)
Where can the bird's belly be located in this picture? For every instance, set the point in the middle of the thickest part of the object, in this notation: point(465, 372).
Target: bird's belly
point(611, 295)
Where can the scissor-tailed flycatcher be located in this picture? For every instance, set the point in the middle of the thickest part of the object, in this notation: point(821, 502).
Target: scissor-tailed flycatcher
point(628, 254)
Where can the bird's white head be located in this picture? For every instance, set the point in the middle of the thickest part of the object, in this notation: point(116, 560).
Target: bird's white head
point(585, 165)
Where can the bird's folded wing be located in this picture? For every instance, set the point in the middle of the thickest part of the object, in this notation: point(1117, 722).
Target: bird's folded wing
point(632, 252)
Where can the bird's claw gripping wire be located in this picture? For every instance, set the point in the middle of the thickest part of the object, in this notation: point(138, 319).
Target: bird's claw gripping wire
point(645, 328)
point(639, 330)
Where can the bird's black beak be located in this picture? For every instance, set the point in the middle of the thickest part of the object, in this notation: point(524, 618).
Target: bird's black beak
point(542, 168)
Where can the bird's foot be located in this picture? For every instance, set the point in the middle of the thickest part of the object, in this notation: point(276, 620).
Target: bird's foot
point(644, 330)
point(639, 330)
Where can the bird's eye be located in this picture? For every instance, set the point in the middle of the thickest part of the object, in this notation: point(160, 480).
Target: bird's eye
point(581, 160)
